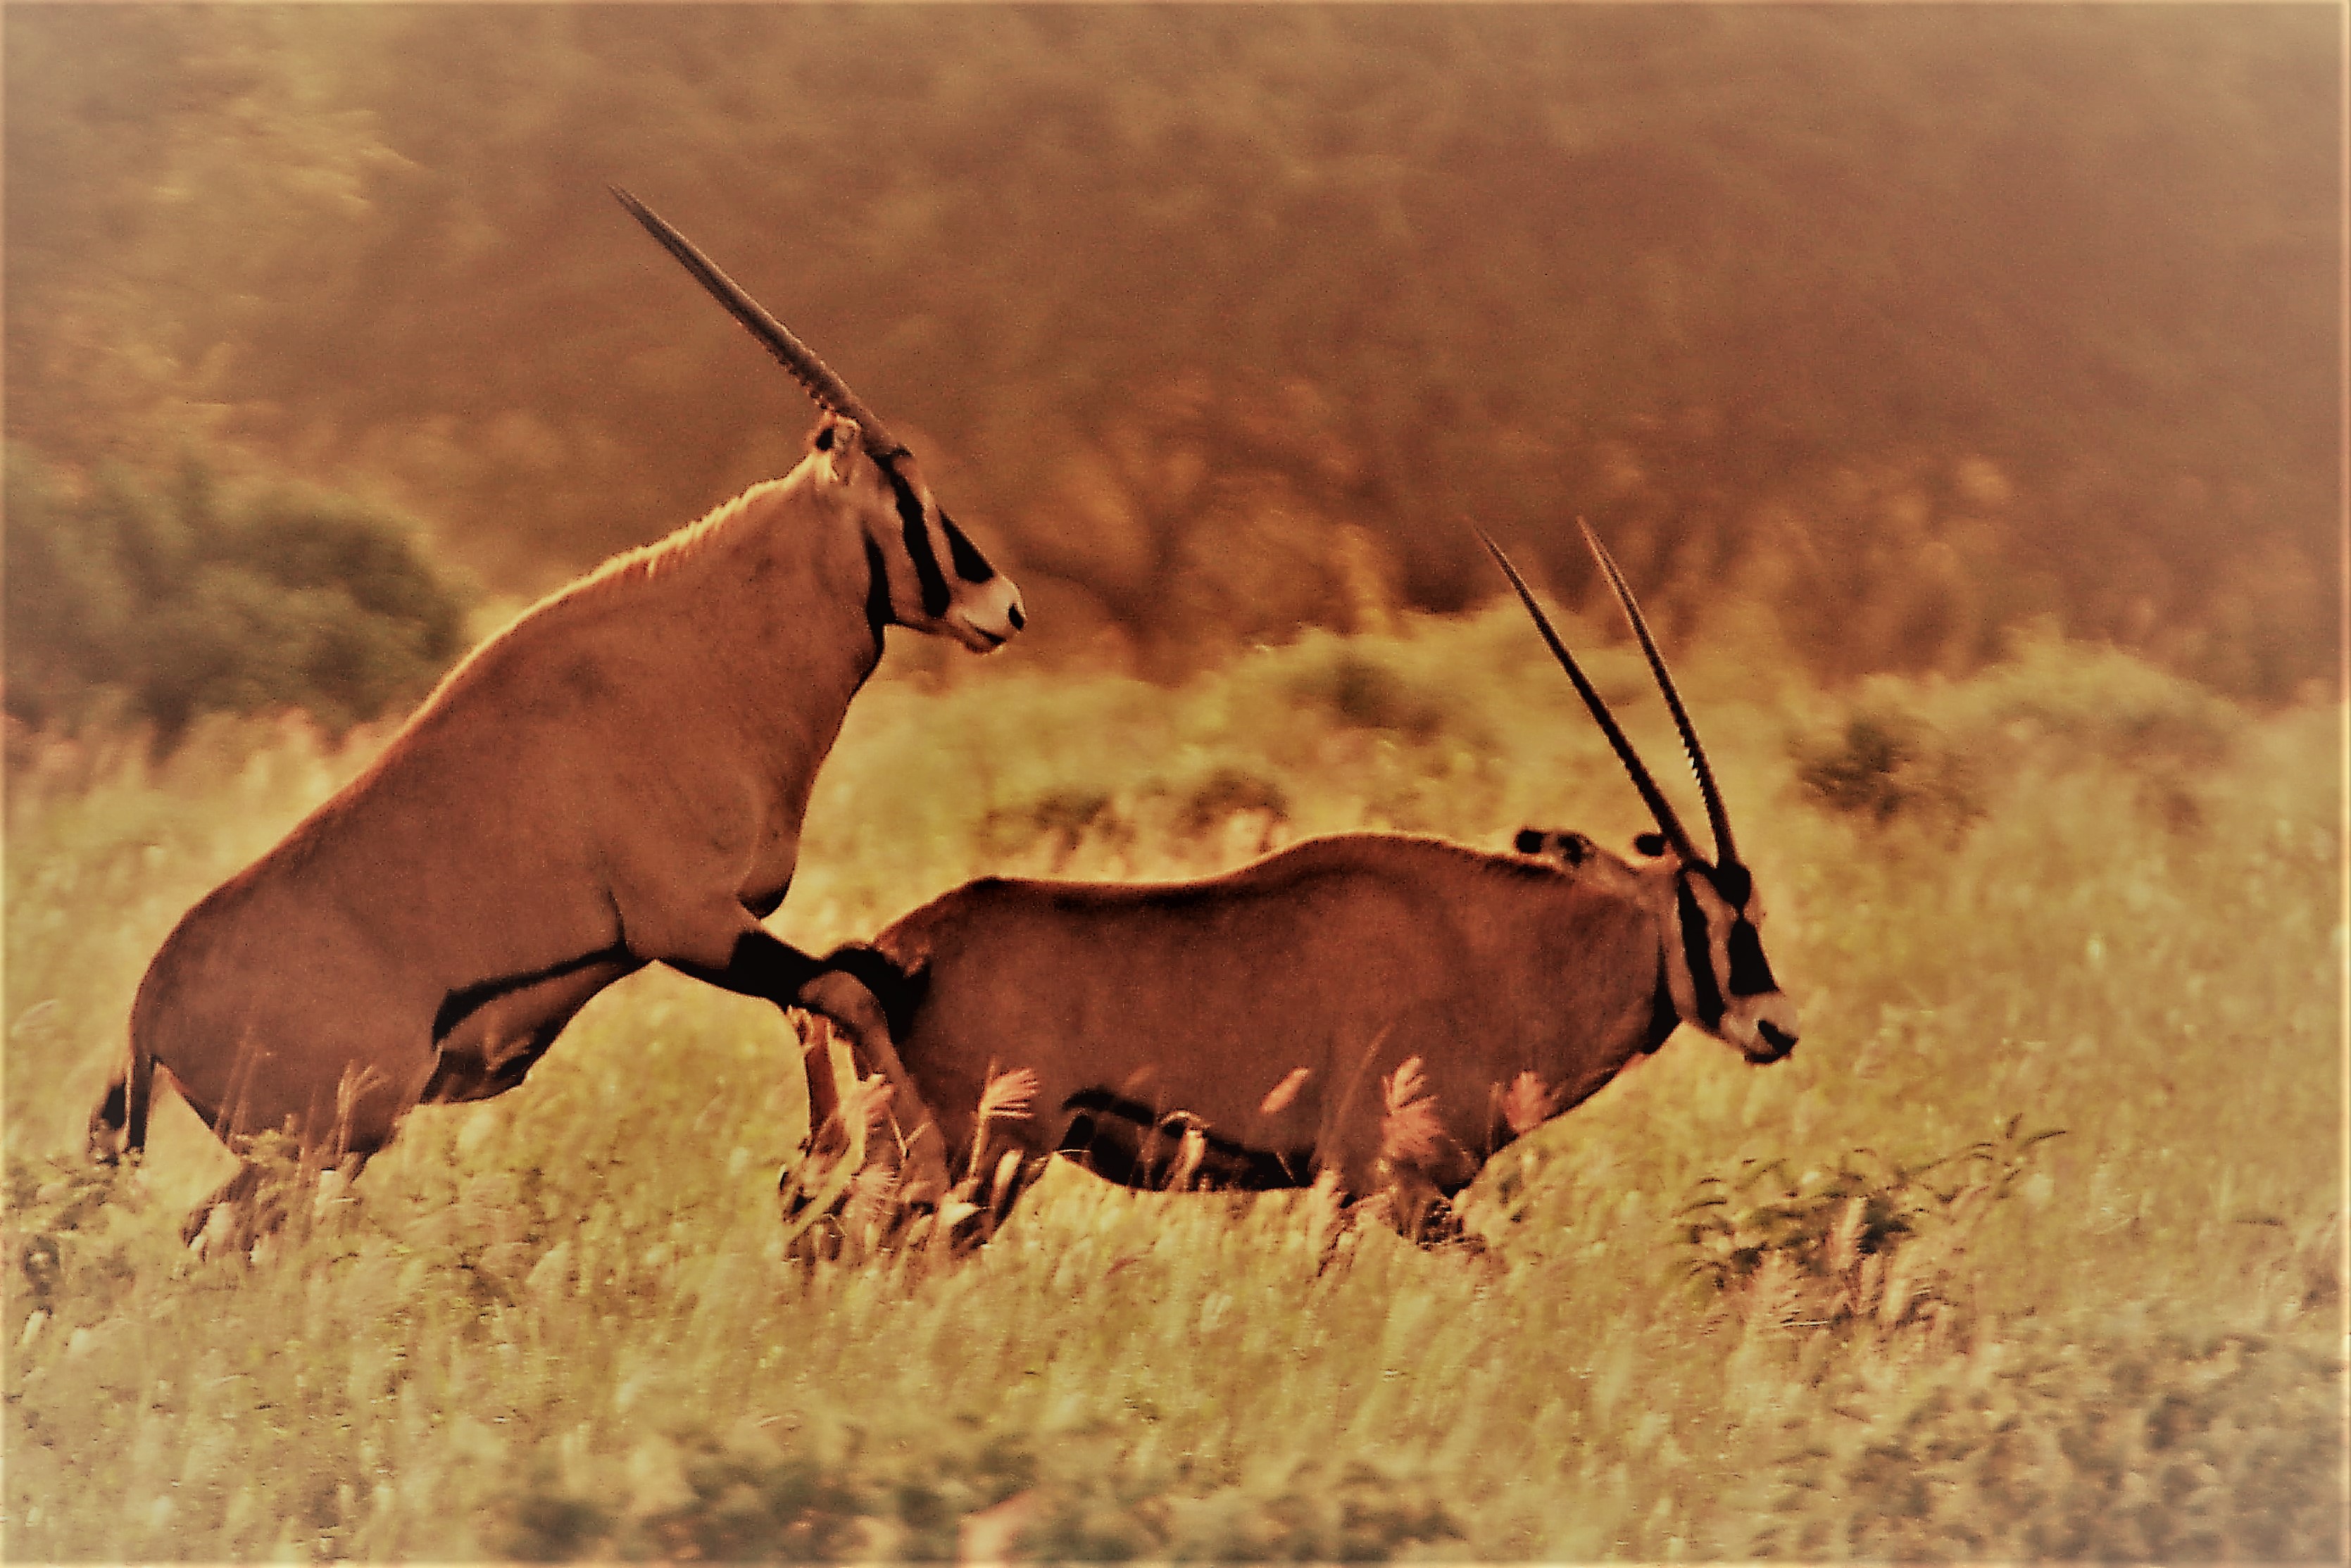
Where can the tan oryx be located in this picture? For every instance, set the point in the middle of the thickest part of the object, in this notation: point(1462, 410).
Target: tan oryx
point(1381, 1010)
point(618, 779)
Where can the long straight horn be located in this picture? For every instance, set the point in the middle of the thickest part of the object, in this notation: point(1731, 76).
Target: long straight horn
point(1658, 807)
point(1726, 853)
point(829, 389)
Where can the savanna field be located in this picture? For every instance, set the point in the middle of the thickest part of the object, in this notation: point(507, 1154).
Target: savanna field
point(2033, 1248)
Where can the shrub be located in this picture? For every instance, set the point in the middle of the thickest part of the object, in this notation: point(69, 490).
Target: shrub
point(1881, 764)
point(1370, 694)
point(162, 600)
point(1943, 753)
point(1860, 1240)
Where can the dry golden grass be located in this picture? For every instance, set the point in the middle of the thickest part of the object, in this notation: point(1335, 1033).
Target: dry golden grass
point(1851, 1305)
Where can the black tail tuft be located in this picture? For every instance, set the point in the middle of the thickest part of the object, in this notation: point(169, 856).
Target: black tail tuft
point(108, 1120)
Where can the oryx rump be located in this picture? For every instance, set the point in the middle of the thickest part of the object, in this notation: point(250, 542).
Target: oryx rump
point(1381, 1010)
point(617, 778)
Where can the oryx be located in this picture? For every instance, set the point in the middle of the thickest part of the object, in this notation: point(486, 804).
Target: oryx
point(1381, 1010)
point(617, 778)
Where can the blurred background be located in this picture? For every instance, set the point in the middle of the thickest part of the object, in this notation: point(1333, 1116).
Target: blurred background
point(1880, 334)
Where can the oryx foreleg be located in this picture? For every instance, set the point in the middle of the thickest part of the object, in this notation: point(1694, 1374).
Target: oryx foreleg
point(850, 1003)
point(761, 963)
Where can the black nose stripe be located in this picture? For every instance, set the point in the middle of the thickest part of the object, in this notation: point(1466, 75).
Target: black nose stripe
point(969, 564)
point(1017, 620)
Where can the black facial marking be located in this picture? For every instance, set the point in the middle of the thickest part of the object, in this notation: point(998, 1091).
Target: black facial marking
point(1650, 844)
point(1017, 620)
point(878, 614)
point(1750, 972)
point(1699, 954)
point(969, 564)
point(1663, 1018)
point(825, 437)
point(462, 1002)
point(1735, 883)
point(1530, 842)
point(918, 543)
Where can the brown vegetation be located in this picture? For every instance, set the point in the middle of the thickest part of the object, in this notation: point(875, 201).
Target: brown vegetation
point(1903, 325)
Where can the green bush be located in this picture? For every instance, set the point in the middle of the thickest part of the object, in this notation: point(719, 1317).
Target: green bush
point(160, 600)
point(1938, 752)
point(1880, 766)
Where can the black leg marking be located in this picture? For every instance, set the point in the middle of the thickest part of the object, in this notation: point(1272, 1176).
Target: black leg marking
point(898, 990)
point(761, 966)
point(467, 999)
point(1131, 1143)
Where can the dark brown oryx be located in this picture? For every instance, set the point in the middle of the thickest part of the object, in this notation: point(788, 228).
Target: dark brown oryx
point(1381, 1010)
point(617, 778)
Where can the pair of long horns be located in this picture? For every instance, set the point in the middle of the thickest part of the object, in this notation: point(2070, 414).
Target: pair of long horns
point(828, 390)
point(1726, 852)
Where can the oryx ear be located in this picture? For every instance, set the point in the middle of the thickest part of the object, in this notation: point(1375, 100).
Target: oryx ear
point(836, 439)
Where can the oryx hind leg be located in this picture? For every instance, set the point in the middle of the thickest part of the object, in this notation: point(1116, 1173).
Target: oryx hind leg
point(266, 1193)
point(232, 1217)
point(310, 1160)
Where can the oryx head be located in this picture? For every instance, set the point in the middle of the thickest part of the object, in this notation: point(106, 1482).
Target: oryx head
point(933, 578)
point(1715, 968)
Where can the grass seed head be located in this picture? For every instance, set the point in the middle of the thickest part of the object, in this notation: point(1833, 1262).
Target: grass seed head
point(1410, 1131)
point(1008, 1095)
point(1528, 1103)
point(1278, 1099)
